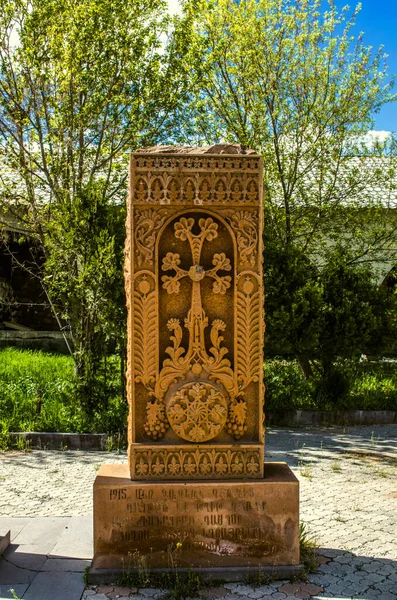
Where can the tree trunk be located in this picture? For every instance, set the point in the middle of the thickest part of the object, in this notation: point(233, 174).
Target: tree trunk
point(305, 366)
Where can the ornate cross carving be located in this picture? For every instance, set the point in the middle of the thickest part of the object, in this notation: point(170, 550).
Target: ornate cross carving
point(196, 358)
point(194, 284)
point(196, 320)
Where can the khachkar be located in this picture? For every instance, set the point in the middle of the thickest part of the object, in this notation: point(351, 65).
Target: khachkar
point(195, 374)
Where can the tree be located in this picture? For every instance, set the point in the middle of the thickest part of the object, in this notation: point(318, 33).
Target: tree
point(290, 80)
point(82, 84)
point(358, 315)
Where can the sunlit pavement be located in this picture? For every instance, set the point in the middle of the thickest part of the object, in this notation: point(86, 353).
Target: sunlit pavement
point(348, 481)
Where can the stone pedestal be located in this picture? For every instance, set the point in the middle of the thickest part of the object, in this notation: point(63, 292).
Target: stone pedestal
point(204, 525)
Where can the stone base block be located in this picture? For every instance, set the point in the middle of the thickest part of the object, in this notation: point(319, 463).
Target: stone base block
point(4, 541)
point(238, 525)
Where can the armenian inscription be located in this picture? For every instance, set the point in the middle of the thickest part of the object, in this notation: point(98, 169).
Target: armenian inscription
point(243, 520)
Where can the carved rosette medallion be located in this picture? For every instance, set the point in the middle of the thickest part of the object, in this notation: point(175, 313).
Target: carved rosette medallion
point(197, 411)
point(194, 273)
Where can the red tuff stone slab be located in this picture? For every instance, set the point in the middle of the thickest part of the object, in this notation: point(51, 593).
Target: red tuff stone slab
point(196, 524)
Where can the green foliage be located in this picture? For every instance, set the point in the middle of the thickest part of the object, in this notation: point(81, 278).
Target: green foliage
point(358, 315)
point(307, 548)
point(293, 300)
point(183, 586)
point(84, 83)
point(332, 388)
point(81, 85)
point(84, 273)
point(371, 385)
point(293, 81)
point(285, 387)
point(179, 585)
point(327, 314)
point(38, 393)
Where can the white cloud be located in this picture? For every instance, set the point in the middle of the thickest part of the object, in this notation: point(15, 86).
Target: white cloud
point(375, 136)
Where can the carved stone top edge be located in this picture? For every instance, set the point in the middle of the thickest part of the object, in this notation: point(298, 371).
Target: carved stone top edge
point(182, 155)
point(197, 204)
point(197, 162)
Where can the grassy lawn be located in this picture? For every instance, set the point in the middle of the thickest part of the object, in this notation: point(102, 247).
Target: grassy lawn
point(38, 392)
point(372, 386)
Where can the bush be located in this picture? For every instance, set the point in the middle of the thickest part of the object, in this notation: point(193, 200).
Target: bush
point(285, 387)
point(331, 389)
point(38, 393)
point(351, 385)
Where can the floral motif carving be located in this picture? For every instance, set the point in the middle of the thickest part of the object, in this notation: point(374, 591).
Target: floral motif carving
point(245, 224)
point(145, 332)
point(148, 223)
point(197, 411)
point(248, 332)
point(198, 463)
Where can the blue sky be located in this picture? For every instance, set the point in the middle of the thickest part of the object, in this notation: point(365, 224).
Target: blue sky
point(378, 21)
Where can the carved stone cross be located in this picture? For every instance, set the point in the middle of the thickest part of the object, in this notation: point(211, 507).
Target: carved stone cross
point(194, 282)
point(196, 320)
point(196, 411)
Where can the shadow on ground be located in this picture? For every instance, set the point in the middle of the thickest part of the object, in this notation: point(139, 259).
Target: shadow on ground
point(371, 442)
point(340, 574)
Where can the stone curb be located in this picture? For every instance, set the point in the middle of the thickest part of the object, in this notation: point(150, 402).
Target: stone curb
point(4, 541)
point(304, 418)
point(207, 574)
point(274, 418)
point(62, 441)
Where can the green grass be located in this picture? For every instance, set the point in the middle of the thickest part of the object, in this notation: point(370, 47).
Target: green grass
point(307, 548)
point(38, 393)
point(373, 386)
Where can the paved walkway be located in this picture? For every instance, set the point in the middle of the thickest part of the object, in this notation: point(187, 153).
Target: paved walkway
point(348, 501)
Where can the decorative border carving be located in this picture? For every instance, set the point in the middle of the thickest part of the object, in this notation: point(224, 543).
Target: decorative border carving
point(147, 225)
point(245, 226)
point(248, 334)
point(195, 179)
point(198, 463)
point(219, 162)
point(187, 189)
point(145, 330)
